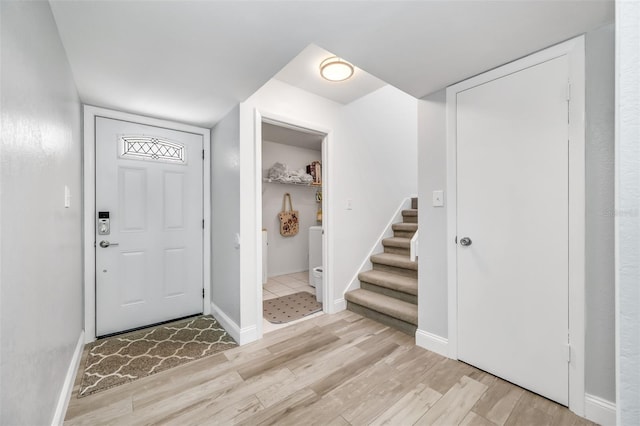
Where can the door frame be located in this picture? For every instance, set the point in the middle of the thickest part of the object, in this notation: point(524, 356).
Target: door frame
point(261, 116)
point(89, 204)
point(574, 49)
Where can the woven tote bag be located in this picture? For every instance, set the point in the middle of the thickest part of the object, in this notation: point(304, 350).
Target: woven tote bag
point(289, 219)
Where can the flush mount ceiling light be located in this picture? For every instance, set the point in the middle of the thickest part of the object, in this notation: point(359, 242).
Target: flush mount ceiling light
point(335, 69)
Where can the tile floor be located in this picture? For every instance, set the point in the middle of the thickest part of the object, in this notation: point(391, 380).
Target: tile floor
point(283, 285)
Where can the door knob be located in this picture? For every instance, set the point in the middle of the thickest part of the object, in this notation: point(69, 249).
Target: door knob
point(466, 241)
point(105, 244)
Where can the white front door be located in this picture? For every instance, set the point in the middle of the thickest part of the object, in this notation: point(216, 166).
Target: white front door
point(149, 263)
point(512, 227)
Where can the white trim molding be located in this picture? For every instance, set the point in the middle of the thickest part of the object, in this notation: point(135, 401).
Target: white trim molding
point(67, 387)
point(89, 197)
point(432, 342)
point(339, 305)
point(241, 335)
point(599, 410)
point(574, 50)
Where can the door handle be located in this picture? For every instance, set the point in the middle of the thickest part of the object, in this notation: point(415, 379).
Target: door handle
point(466, 241)
point(105, 244)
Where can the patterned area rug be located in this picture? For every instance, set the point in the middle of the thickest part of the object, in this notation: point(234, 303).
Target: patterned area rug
point(124, 358)
point(290, 308)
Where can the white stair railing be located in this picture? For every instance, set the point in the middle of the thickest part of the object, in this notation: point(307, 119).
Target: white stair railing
point(413, 247)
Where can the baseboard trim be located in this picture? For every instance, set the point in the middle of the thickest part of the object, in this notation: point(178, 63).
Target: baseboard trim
point(248, 335)
point(241, 335)
point(339, 305)
point(432, 342)
point(293, 271)
point(67, 386)
point(599, 410)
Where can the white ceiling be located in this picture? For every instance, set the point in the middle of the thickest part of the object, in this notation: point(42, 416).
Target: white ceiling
point(304, 72)
point(193, 61)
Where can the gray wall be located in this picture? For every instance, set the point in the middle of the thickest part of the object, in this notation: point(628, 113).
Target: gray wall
point(628, 233)
point(600, 360)
point(225, 214)
point(41, 291)
point(432, 221)
point(600, 288)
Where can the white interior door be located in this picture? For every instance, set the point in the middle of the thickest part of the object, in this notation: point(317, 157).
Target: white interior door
point(512, 206)
point(149, 266)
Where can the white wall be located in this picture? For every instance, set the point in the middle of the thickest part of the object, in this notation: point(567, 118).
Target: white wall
point(291, 104)
point(372, 160)
point(41, 307)
point(225, 215)
point(374, 163)
point(432, 292)
point(628, 208)
point(287, 254)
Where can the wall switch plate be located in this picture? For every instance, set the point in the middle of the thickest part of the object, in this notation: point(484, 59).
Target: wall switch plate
point(438, 198)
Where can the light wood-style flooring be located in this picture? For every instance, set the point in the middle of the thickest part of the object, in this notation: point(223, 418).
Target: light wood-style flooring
point(329, 370)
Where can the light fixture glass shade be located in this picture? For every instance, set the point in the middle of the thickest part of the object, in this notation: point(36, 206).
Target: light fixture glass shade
point(335, 69)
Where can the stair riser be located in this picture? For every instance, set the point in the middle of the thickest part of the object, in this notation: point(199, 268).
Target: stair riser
point(395, 270)
point(389, 292)
point(410, 219)
point(405, 327)
point(414, 203)
point(403, 234)
point(396, 250)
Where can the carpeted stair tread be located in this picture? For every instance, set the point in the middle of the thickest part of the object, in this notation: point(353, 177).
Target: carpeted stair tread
point(402, 226)
point(397, 242)
point(395, 308)
point(410, 212)
point(395, 260)
point(389, 280)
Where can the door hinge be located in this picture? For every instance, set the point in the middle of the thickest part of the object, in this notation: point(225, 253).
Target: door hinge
point(568, 353)
point(568, 90)
point(202, 223)
point(203, 293)
point(203, 154)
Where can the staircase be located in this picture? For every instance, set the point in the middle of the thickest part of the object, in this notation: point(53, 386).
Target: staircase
point(389, 292)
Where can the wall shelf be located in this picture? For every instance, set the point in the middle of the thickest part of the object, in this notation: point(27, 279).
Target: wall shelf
point(313, 185)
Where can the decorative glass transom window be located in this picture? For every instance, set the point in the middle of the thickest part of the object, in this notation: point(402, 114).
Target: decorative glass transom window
point(152, 148)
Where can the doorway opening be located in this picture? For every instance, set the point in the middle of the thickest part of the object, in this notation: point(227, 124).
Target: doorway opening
point(292, 263)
